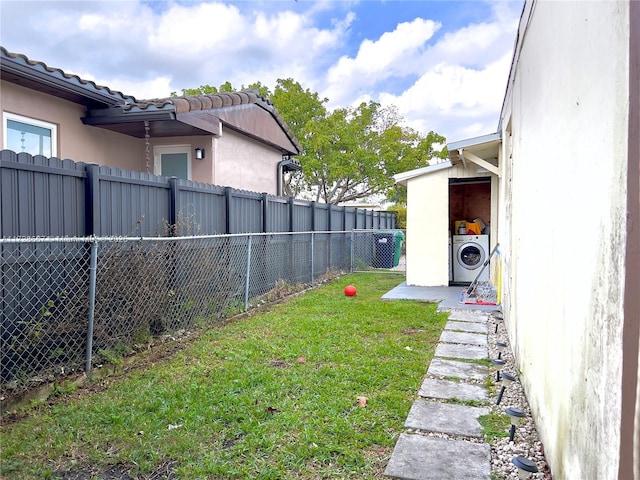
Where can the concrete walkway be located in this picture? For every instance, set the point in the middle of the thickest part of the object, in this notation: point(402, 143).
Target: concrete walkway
point(442, 440)
point(447, 298)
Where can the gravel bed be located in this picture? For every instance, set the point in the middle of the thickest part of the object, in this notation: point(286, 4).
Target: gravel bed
point(526, 441)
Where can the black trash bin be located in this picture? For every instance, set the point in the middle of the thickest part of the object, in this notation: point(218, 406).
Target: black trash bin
point(385, 249)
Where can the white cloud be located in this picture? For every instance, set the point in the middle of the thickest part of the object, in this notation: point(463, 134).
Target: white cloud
point(448, 87)
point(377, 60)
point(461, 78)
point(446, 79)
point(453, 98)
point(189, 43)
point(197, 29)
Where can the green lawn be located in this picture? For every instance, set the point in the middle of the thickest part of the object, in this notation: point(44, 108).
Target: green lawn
point(271, 395)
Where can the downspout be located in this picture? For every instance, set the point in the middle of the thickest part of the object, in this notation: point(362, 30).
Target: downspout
point(280, 170)
point(285, 162)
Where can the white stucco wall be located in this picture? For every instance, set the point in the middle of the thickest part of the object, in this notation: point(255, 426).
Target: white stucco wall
point(563, 258)
point(428, 229)
point(245, 163)
point(76, 141)
point(240, 161)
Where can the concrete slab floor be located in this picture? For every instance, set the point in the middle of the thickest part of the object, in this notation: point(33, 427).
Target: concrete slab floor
point(418, 457)
point(451, 368)
point(448, 336)
point(449, 390)
point(467, 316)
point(471, 327)
point(447, 297)
point(468, 352)
point(449, 418)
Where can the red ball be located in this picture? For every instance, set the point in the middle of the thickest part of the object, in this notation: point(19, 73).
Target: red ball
point(350, 291)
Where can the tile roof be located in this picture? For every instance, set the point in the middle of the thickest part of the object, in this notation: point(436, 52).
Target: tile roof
point(58, 73)
point(129, 104)
point(192, 103)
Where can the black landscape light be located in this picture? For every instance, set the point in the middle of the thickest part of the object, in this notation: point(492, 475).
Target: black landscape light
point(515, 414)
point(500, 346)
point(499, 364)
point(525, 467)
point(496, 318)
point(505, 379)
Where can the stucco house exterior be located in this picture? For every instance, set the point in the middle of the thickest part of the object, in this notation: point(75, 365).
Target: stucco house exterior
point(565, 209)
point(242, 140)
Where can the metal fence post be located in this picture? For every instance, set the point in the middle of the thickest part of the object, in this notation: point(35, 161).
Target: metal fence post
point(93, 267)
point(352, 247)
point(313, 273)
point(291, 214)
point(174, 206)
point(265, 212)
point(313, 216)
point(92, 200)
point(228, 198)
point(246, 281)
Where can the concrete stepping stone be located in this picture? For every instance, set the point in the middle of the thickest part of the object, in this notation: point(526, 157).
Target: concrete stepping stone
point(448, 418)
point(470, 352)
point(451, 368)
point(472, 327)
point(469, 316)
point(417, 457)
point(447, 389)
point(462, 337)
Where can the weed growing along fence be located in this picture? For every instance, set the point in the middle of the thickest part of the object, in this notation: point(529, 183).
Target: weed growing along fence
point(69, 303)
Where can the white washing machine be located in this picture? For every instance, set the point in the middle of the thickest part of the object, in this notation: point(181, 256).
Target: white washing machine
point(469, 253)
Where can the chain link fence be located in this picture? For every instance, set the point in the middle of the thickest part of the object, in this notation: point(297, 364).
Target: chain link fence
point(70, 303)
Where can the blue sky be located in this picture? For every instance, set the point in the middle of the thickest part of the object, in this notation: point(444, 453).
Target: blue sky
point(443, 64)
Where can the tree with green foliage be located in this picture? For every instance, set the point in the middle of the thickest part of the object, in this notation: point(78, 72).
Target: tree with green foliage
point(348, 153)
point(226, 87)
point(355, 152)
point(299, 107)
point(401, 214)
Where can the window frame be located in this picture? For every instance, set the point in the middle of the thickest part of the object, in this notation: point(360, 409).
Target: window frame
point(159, 150)
point(6, 116)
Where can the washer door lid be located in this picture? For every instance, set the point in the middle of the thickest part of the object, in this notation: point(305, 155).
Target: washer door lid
point(471, 256)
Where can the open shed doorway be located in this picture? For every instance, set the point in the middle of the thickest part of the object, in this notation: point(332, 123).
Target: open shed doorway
point(469, 227)
point(469, 198)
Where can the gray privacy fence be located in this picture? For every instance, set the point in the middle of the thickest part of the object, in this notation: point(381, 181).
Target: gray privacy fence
point(42, 196)
point(70, 303)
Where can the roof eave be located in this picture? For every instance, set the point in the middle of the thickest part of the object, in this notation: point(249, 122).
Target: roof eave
point(101, 120)
point(404, 177)
point(283, 125)
point(484, 151)
point(470, 142)
point(57, 81)
point(283, 149)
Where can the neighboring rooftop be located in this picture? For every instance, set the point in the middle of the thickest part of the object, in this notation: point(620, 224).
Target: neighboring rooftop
point(245, 111)
point(18, 68)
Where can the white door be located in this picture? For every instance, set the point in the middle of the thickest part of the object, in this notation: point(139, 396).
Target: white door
point(173, 161)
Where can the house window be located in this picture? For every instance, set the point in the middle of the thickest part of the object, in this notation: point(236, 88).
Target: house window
point(23, 134)
point(173, 161)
